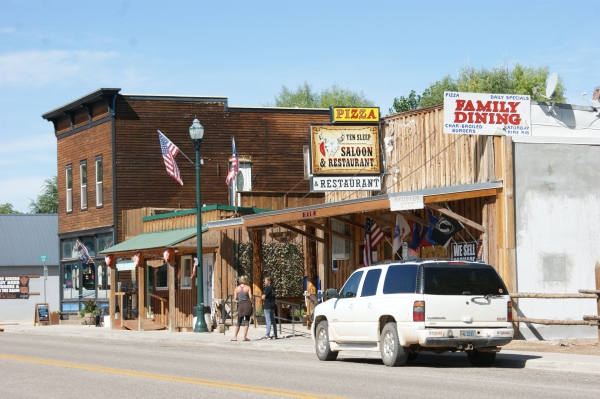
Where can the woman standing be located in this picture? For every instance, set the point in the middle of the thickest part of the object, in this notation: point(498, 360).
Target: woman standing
point(243, 293)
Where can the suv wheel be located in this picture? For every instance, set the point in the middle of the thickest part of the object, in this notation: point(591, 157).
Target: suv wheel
point(392, 353)
point(481, 359)
point(324, 352)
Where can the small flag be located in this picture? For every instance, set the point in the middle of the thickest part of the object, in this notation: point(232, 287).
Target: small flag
point(373, 236)
point(235, 165)
point(444, 229)
point(194, 269)
point(170, 151)
point(83, 253)
point(400, 231)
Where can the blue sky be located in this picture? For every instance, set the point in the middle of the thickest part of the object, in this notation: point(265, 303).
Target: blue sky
point(55, 51)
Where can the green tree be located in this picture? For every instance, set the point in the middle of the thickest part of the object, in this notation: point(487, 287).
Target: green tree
point(502, 80)
point(7, 208)
point(405, 103)
point(306, 97)
point(47, 201)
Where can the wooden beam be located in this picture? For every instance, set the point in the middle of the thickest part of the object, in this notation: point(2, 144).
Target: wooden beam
point(301, 232)
point(349, 221)
point(414, 218)
point(257, 268)
point(381, 220)
point(456, 216)
point(490, 192)
point(328, 230)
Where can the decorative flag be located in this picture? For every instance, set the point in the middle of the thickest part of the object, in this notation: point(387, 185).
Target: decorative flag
point(400, 231)
point(170, 151)
point(373, 236)
point(418, 237)
point(235, 165)
point(194, 269)
point(83, 253)
point(432, 222)
point(444, 229)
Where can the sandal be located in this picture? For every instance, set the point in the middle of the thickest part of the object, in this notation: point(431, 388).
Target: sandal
point(234, 339)
point(246, 339)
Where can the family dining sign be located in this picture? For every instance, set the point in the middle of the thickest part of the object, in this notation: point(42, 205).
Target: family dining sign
point(487, 114)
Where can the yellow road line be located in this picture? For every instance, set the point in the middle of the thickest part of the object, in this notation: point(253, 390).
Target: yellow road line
point(163, 377)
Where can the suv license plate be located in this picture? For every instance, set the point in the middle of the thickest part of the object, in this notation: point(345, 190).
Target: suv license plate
point(467, 333)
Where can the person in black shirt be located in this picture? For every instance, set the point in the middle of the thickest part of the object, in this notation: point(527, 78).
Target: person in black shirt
point(269, 308)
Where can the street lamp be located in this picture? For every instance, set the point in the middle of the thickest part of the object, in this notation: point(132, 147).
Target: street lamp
point(196, 133)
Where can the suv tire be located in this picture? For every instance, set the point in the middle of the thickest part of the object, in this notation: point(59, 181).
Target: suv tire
point(392, 353)
point(322, 347)
point(481, 359)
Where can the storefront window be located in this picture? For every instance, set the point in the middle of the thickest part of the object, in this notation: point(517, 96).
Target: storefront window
point(104, 241)
point(69, 250)
point(103, 279)
point(90, 245)
point(89, 280)
point(160, 275)
point(70, 281)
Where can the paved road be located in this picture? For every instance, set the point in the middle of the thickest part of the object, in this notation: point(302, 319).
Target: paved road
point(58, 366)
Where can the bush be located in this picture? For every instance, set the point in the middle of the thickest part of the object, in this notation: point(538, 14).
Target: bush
point(90, 306)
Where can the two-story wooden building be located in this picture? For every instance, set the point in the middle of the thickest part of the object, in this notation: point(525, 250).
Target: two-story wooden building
point(110, 161)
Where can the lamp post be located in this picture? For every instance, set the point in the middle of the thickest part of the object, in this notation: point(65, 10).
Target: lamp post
point(196, 133)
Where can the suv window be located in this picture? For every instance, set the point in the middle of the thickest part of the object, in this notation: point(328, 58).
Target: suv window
point(400, 279)
point(351, 287)
point(464, 280)
point(369, 287)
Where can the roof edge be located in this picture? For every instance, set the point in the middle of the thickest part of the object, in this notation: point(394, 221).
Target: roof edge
point(90, 97)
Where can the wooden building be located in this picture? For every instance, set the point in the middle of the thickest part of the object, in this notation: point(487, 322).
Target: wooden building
point(109, 161)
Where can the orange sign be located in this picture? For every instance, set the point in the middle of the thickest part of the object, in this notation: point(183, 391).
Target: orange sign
point(354, 114)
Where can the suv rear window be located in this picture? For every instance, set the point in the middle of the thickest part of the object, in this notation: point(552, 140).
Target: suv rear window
point(400, 279)
point(463, 280)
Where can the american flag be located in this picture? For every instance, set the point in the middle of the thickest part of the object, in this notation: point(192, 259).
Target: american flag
point(235, 165)
point(169, 151)
point(83, 253)
point(373, 236)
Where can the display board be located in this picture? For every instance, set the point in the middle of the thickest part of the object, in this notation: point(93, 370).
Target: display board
point(42, 314)
point(14, 287)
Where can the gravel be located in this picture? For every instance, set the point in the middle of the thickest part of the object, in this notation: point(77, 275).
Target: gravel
point(572, 346)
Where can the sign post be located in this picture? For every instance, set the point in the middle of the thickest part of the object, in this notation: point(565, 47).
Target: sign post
point(43, 259)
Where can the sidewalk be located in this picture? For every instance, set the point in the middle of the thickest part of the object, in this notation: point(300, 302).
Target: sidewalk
point(304, 344)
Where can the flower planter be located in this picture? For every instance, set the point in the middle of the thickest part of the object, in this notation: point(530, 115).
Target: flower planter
point(54, 318)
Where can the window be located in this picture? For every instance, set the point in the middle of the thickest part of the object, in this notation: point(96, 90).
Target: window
point(400, 279)
point(83, 178)
point(105, 241)
point(340, 247)
point(351, 287)
point(99, 181)
point(69, 250)
point(160, 277)
point(186, 273)
point(371, 282)
point(69, 177)
point(444, 280)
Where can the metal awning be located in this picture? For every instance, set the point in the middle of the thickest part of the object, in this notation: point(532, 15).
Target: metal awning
point(160, 239)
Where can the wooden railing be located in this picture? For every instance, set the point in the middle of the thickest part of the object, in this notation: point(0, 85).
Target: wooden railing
point(582, 294)
point(164, 302)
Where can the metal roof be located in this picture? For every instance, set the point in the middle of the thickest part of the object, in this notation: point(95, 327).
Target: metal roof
point(160, 239)
point(24, 237)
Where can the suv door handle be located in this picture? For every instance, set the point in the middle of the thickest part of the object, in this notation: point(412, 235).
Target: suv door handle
point(351, 306)
point(369, 306)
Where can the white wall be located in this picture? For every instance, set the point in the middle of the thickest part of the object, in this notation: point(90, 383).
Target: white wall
point(24, 309)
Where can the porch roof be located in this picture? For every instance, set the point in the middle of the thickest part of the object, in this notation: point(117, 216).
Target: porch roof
point(159, 239)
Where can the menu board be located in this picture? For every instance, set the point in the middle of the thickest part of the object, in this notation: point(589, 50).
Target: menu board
point(14, 287)
point(42, 313)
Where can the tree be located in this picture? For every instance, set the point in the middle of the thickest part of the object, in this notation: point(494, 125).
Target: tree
point(47, 201)
point(306, 97)
point(501, 80)
point(405, 103)
point(7, 209)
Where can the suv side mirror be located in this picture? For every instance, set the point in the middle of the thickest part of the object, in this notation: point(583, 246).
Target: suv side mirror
point(332, 293)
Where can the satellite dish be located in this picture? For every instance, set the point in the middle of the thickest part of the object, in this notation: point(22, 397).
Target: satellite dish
point(551, 86)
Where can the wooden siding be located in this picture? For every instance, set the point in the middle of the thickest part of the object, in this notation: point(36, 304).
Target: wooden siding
point(85, 145)
point(274, 141)
point(280, 200)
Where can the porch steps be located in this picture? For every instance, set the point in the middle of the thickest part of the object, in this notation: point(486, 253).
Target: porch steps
point(147, 325)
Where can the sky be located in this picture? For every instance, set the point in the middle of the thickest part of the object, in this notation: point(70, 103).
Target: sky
point(55, 51)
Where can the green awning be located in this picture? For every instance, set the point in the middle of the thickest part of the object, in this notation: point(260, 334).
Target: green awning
point(159, 239)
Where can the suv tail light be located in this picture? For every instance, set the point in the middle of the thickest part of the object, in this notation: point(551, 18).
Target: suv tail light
point(419, 311)
point(509, 317)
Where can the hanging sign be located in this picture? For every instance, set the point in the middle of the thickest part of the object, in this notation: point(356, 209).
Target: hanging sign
point(344, 150)
point(487, 114)
point(345, 183)
point(14, 287)
point(406, 202)
point(466, 251)
point(354, 114)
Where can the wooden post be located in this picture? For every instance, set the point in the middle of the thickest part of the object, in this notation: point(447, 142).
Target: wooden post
point(142, 297)
point(310, 271)
point(598, 297)
point(257, 266)
point(171, 286)
point(111, 299)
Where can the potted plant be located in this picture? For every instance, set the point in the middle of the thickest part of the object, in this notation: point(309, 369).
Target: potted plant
point(55, 317)
point(90, 308)
point(259, 314)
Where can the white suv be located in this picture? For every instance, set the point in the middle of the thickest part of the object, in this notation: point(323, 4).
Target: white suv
point(401, 308)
